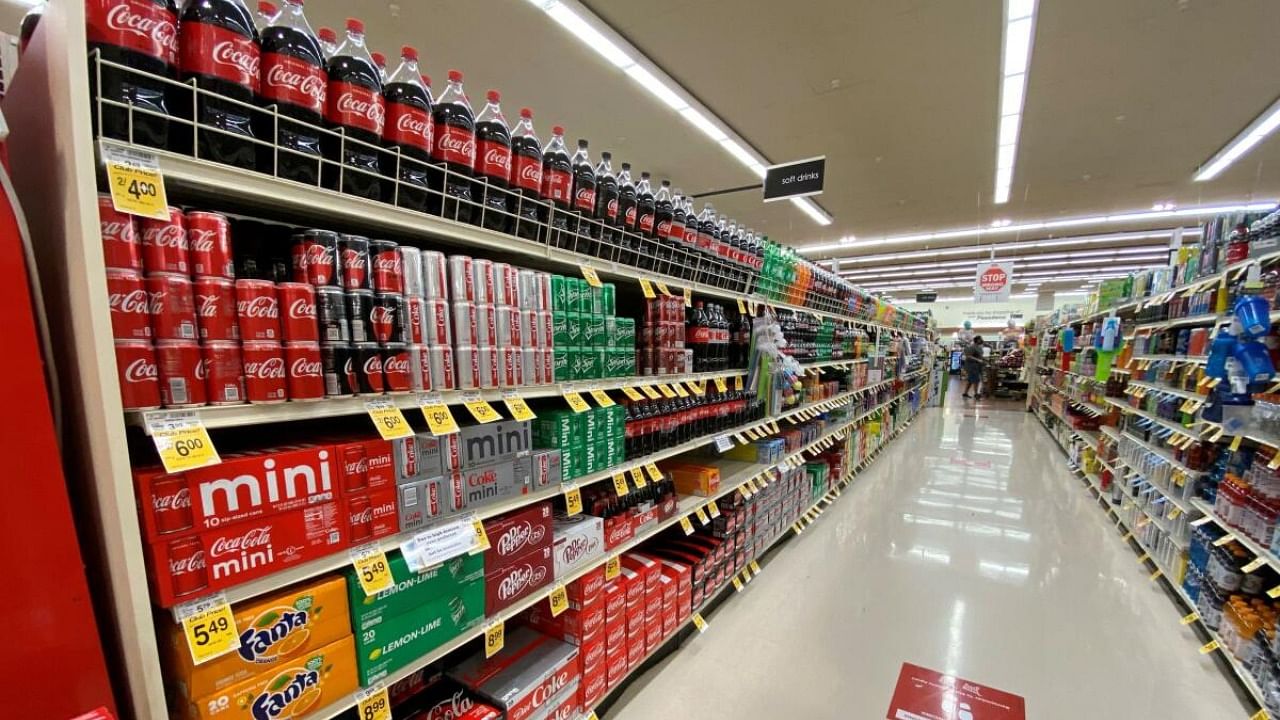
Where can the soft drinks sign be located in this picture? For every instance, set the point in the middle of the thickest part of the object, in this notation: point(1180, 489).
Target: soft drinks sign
point(993, 282)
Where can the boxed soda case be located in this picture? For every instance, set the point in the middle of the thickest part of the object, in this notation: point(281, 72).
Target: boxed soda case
point(398, 640)
point(531, 670)
point(410, 589)
point(518, 532)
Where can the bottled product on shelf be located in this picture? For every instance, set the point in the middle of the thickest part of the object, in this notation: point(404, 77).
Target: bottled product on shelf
point(293, 79)
point(652, 425)
point(409, 134)
point(355, 112)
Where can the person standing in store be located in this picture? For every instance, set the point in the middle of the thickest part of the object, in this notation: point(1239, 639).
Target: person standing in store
point(973, 357)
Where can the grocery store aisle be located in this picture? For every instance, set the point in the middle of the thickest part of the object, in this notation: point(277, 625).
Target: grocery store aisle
point(968, 548)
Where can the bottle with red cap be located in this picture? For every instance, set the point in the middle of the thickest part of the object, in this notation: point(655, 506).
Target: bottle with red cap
point(455, 128)
point(663, 214)
point(141, 35)
point(328, 40)
point(355, 109)
point(557, 188)
point(493, 162)
point(584, 200)
point(219, 50)
point(266, 13)
point(293, 80)
point(380, 61)
point(647, 251)
point(627, 214)
point(410, 129)
point(606, 212)
point(526, 175)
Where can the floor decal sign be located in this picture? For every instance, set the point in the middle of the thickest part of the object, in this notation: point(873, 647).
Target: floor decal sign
point(923, 694)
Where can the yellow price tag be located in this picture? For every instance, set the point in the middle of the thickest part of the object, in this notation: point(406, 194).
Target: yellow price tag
point(721, 385)
point(632, 393)
point(742, 440)
point(612, 567)
point(742, 307)
point(1224, 540)
point(737, 382)
point(372, 703)
point(620, 484)
point(646, 287)
point(686, 525)
point(1274, 462)
point(1274, 592)
point(439, 419)
point(662, 287)
point(1144, 558)
point(699, 623)
point(751, 485)
point(1235, 442)
point(798, 529)
point(1174, 513)
point(1155, 574)
point(746, 492)
point(679, 388)
point(1126, 537)
point(482, 538)
point(388, 419)
point(637, 477)
point(1190, 618)
point(576, 403)
point(372, 569)
point(572, 500)
point(737, 584)
point(649, 392)
point(137, 185)
point(182, 440)
point(697, 388)
point(654, 473)
point(688, 297)
point(480, 408)
point(602, 398)
point(666, 391)
point(1260, 715)
point(592, 278)
point(1209, 647)
point(494, 638)
point(210, 627)
point(559, 600)
point(1254, 565)
point(702, 516)
point(713, 509)
point(755, 567)
point(517, 406)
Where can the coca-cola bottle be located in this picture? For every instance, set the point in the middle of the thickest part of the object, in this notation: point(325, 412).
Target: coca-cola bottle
point(141, 35)
point(650, 255)
point(526, 175)
point(294, 81)
point(683, 259)
point(328, 40)
point(493, 162)
point(380, 62)
point(455, 128)
point(606, 212)
point(707, 240)
point(557, 188)
point(219, 50)
point(584, 198)
point(410, 129)
point(266, 13)
point(354, 107)
point(697, 334)
point(627, 216)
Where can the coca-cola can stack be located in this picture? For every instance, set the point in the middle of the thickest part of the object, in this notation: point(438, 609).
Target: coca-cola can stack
point(496, 315)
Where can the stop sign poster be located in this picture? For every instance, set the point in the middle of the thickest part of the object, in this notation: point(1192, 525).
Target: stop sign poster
point(923, 694)
point(993, 282)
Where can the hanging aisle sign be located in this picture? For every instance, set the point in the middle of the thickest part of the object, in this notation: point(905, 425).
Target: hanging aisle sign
point(796, 179)
point(993, 282)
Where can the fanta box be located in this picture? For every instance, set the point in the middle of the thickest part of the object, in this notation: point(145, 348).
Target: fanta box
point(290, 689)
point(273, 630)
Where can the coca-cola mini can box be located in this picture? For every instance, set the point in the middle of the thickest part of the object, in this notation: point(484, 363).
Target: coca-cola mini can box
point(209, 243)
point(121, 247)
point(130, 305)
point(216, 309)
point(138, 374)
point(257, 310)
point(371, 515)
point(264, 372)
point(164, 244)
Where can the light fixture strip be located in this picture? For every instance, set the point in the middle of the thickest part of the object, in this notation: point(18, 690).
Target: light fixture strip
point(1015, 62)
point(1043, 259)
point(1254, 133)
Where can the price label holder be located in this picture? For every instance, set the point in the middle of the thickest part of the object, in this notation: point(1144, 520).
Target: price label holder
point(479, 408)
point(1235, 442)
point(712, 509)
point(666, 391)
point(1201, 521)
point(740, 438)
point(620, 484)
point(650, 392)
point(686, 525)
point(662, 287)
point(572, 500)
point(559, 599)
point(724, 443)
point(1155, 575)
point(181, 439)
point(746, 491)
point(388, 419)
point(1190, 618)
point(589, 273)
point(654, 473)
point(494, 638)
point(482, 538)
point(372, 569)
point(721, 385)
point(646, 287)
point(688, 297)
point(1260, 715)
point(1274, 592)
point(742, 307)
point(737, 584)
point(439, 418)
point(576, 403)
point(737, 382)
point(137, 185)
point(1254, 565)
point(637, 477)
point(699, 623)
point(1224, 540)
point(612, 567)
point(372, 703)
point(517, 406)
point(209, 626)
point(602, 398)
point(698, 388)
point(680, 391)
point(1144, 558)
point(632, 393)
point(755, 567)
point(1209, 647)
point(702, 516)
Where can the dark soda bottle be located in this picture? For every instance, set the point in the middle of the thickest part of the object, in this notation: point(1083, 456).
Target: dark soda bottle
point(663, 215)
point(584, 198)
point(293, 80)
point(648, 254)
point(410, 129)
point(606, 212)
point(220, 51)
point(355, 109)
point(526, 175)
point(141, 35)
point(455, 147)
point(627, 215)
point(493, 163)
point(557, 188)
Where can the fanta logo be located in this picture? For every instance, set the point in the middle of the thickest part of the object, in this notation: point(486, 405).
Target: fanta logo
point(518, 537)
point(166, 236)
point(141, 370)
point(302, 367)
point(300, 309)
point(242, 55)
point(268, 629)
point(260, 307)
point(252, 539)
point(160, 30)
point(271, 368)
point(349, 103)
point(134, 301)
point(308, 83)
point(274, 702)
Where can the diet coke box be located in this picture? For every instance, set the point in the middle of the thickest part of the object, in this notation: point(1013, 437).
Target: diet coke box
point(517, 579)
point(416, 457)
point(257, 310)
point(482, 444)
point(564, 706)
point(420, 502)
point(588, 589)
point(516, 533)
point(578, 542)
point(371, 515)
point(186, 567)
point(244, 486)
point(476, 487)
point(544, 468)
point(576, 627)
point(522, 679)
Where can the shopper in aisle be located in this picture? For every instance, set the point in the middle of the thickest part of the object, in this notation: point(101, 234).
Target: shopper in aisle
point(973, 358)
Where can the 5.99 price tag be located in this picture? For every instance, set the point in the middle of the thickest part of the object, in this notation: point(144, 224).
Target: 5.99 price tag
point(210, 627)
point(181, 439)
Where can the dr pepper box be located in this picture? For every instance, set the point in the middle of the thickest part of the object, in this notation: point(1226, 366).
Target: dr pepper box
point(517, 578)
point(517, 533)
point(578, 541)
point(525, 676)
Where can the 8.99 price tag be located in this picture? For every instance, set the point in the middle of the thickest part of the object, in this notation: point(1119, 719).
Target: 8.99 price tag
point(210, 627)
point(372, 703)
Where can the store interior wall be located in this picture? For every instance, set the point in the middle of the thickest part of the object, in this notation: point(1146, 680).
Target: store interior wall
point(11, 12)
point(988, 316)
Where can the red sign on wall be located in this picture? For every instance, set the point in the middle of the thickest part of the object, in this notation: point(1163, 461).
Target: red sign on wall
point(924, 694)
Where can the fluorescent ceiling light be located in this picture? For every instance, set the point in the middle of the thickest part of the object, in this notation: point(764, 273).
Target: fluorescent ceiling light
point(811, 209)
point(655, 86)
point(1020, 9)
point(1015, 60)
point(591, 37)
point(1011, 94)
point(1262, 126)
point(1052, 259)
point(1150, 260)
point(1017, 45)
point(740, 153)
point(701, 122)
point(1016, 246)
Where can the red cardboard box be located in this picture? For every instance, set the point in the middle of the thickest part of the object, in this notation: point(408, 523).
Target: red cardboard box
point(616, 667)
point(634, 585)
point(592, 653)
point(364, 464)
point(576, 627)
point(594, 684)
point(587, 589)
point(371, 514)
point(653, 633)
point(516, 579)
point(635, 651)
point(646, 567)
point(517, 533)
point(566, 705)
point(635, 623)
point(618, 529)
point(670, 621)
point(615, 600)
point(615, 634)
point(528, 673)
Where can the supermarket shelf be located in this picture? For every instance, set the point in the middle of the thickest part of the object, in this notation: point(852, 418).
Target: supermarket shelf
point(1202, 319)
point(1182, 505)
point(1253, 546)
point(1110, 432)
point(1193, 359)
point(1091, 407)
point(1155, 419)
point(1271, 442)
point(1167, 390)
point(1166, 456)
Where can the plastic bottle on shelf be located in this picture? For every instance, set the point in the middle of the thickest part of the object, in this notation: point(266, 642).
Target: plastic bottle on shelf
point(493, 162)
point(220, 52)
point(584, 200)
point(355, 108)
point(294, 80)
point(150, 58)
point(606, 211)
point(557, 188)
point(410, 130)
point(328, 40)
point(455, 147)
point(526, 175)
point(627, 215)
point(649, 251)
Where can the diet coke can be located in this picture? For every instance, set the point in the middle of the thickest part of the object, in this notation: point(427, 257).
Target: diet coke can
point(510, 367)
point(486, 325)
point(440, 360)
point(359, 304)
point(544, 291)
point(305, 371)
point(419, 368)
point(532, 366)
point(368, 362)
point(549, 366)
point(435, 275)
point(527, 289)
point(546, 330)
point(257, 310)
point(388, 272)
point(338, 361)
point(507, 320)
point(331, 311)
point(216, 308)
point(435, 325)
point(488, 366)
point(353, 259)
point(130, 306)
point(298, 319)
point(209, 240)
point(173, 307)
point(164, 244)
point(224, 373)
point(411, 267)
point(465, 323)
point(181, 367)
point(506, 281)
point(413, 314)
point(468, 367)
point(461, 279)
point(529, 328)
point(483, 281)
point(396, 374)
point(264, 373)
point(315, 257)
point(384, 318)
point(121, 248)
point(139, 377)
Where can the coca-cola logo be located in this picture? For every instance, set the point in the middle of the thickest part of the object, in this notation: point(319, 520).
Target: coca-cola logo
point(209, 305)
point(553, 685)
point(262, 307)
point(160, 30)
point(141, 370)
point(396, 365)
point(412, 123)
point(201, 241)
point(576, 549)
point(619, 532)
point(180, 499)
point(520, 536)
point(269, 369)
point(303, 367)
point(387, 262)
point(309, 84)
point(134, 301)
point(452, 707)
point(531, 174)
point(202, 370)
point(352, 105)
point(498, 157)
point(193, 563)
point(118, 231)
point(381, 314)
point(302, 309)
point(372, 365)
point(458, 144)
point(237, 55)
point(519, 579)
point(256, 537)
point(166, 236)
point(363, 517)
point(585, 195)
point(353, 260)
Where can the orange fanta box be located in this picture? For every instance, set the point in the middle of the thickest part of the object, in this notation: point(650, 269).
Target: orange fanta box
point(290, 689)
point(273, 630)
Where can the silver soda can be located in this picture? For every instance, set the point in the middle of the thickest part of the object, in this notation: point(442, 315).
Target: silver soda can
point(530, 359)
point(465, 319)
point(461, 279)
point(548, 365)
point(527, 289)
point(508, 322)
point(419, 368)
point(510, 279)
point(413, 316)
point(488, 367)
point(486, 325)
point(435, 322)
point(528, 329)
point(435, 275)
point(468, 367)
point(543, 299)
point(411, 262)
point(482, 279)
point(546, 330)
point(500, 295)
point(441, 362)
point(510, 367)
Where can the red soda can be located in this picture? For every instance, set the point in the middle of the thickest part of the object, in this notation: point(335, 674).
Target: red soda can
point(339, 369)
point(182, 374)
point(258, 310)
point(305, 370)
point(224, 373)
point(441, 362)
point(171, 499)
point(385, 318)
point(419, 368)
point(188, 567)
point(139, 377)
point(173, 307)
point(359, 518)
point(216, 308)
point(297, 302)
point(395, 368)
point(121, 247)
point(130, 306)
point(388, 270)
point(353, 260)
point(317, 253)
point(209, 240)
point(164, 244)
point(264, 373)
point(368, 361)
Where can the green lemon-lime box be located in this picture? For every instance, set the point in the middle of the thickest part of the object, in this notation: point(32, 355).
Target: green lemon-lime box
point(399, 640)
point(410, 589)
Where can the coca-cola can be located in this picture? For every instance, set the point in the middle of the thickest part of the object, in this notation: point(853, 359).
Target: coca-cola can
point(467, 365)
point(305, 370)
point(130, 305)
point(528, 328)
point(298, 316)
point(505, 285)
point(488, 366)
point(486, 325)
point(441, 362)
point(388, 271)
point(413, 314)
point(216, 308)
point(546, 330)
point(435, 275)
point(465, 321)
point(182, 373)
point(462, 285)
point(264, 372)
point(121, 248)
point(527, 289)
point(359, 519)
point(173, 307)
point(419, 368)
point(353, 261)
point(368, 362)
point(331, 313)
point(411, 267)
point(188, 568)
point(338, 363)
point(396, 372)
point(171, 497)
point(544, 291)
point(139, 377)
point(507, 322)
point(436, 327)
point(224, 373)
point(317, 252)
point(359, 304)
point(482, 270)
point(257, 310)
point(510, 367)
point(164, 244)
point(385, 318)
point(209, 240)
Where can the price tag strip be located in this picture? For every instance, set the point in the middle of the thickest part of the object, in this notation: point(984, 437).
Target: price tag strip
point(518, 407)
point(388, 419)
point(181, 439)
point(372, 703)
point(137, 185)
point(209, 626)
